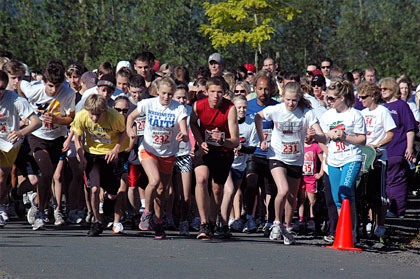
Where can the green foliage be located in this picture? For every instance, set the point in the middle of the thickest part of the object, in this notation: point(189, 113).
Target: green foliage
point(355, 34)
point(244, 21)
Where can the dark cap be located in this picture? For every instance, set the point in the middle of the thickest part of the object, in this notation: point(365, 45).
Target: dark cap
point(107, 80)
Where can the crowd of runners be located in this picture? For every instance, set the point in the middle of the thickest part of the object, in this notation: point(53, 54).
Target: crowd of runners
point(149, 147)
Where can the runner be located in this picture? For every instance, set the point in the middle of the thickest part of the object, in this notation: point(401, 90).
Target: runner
point(216, 136)
point(165, 127)
point(12, 109)
point(286, 152)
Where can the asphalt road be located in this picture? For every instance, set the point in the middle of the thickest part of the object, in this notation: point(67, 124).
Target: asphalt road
point(68, 253)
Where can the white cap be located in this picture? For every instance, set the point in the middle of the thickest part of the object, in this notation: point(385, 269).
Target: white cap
point(123, 63)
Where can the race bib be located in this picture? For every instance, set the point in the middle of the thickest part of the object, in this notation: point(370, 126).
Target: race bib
point(291, 149)
point(210, 140)
point(140, 123)
point(308, 168)
point(161, 137)
point(267, 136)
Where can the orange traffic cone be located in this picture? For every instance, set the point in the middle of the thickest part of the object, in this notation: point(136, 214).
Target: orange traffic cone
point(343, 236)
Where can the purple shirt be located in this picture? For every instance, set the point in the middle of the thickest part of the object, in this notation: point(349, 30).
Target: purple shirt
point(404, 119)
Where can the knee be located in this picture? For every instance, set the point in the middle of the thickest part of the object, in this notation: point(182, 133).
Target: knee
point(154, 182)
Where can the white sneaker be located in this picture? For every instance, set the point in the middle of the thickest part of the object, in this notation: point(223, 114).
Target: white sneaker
point(2, 222)
point(32, 211)
point(39, 221)
point(379, 231)
point(275, 232)
point(58, 218)
point(369, 228)
point(117, 228)
point(288, 237)
point(184, 228)
point(3, 212)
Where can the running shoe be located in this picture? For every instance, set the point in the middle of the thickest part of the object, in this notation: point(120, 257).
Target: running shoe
point(32, 211)
point(195, 223)
point(74, 217)
point(118, 228)
point(390, 214)
point(58, 218)
point(146, 221)
point(184, 228)
point(38, 223)
point(225, 232)
point(288, 237)
point(95, 229)
point(329, 239)
point(89, 217)
point(3, 212)
point(2, 222)
point(267, 228)
point(159, 232)
point(250, 225)
point(275, 233)
point(299, 225)
point(204, 232)
point(311, 225)
point(170, 224)
point(369, 228)
point(379, 231)
point(237, 226)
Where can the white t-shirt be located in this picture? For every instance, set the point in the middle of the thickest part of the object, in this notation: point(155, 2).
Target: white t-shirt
point(287, 141)
point(94, 90)
point(185, 147)
point(247, 136)
point(378, 122)
point(13, 108)
point(351, 122)
point(161, 127)
point(61, 104)
point(316, 106)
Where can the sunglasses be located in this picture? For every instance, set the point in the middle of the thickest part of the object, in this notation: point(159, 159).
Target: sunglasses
point(240, 91)
point(384, 89)
point(121, 110)
point(250, 73)
point(325, 67)
point(363, 97)
point(331, 99)
point(316, 84)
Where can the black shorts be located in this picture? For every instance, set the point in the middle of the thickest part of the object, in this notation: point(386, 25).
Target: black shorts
point(110, 174)
point(53, 147)
point(25, 162)
point(258, 165)
point(218, 162)
point(291, 170)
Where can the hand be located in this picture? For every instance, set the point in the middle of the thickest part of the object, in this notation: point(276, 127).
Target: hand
point(409, 154)
point(311, 132)
point(264, 145)
point(216, 135)
point(14, 136)
point(317, 176)
point(181, 137)
point(66, 145)
point(111, 156)
point(204, 147)
point(131, 132)
point(48, 117)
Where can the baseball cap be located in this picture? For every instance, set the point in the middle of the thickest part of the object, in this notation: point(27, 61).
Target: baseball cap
point(216, 57)
point(107, 80)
